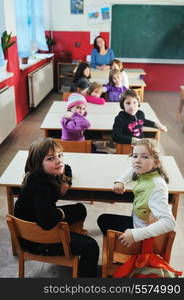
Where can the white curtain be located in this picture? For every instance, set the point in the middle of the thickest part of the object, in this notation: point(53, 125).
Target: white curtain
point(30, 28)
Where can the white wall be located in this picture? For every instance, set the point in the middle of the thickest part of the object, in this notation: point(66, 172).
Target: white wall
point(9, 13)
point(62, 20)
point(58, 17)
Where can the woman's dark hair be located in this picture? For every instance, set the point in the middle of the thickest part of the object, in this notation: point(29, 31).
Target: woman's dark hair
point(80, 71)
point(37, 152)
point(128, 93)
point(95, 43)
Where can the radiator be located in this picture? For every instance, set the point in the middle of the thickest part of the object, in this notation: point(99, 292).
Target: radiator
point(40, 82)
point(7, 112)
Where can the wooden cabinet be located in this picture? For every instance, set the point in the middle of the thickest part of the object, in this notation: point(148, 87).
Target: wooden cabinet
point(65, 75)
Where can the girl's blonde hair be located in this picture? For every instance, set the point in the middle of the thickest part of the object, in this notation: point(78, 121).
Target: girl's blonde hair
point(37, 152)
point(119, 63)
point(154, 151)
point(93, 86)
point(111, 74)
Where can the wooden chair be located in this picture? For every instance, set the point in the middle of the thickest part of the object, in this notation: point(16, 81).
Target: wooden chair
point(66, 95)
point(76, 146)
point(140, 92)
point(123, 148)
point(32, 232)
point(114, 252)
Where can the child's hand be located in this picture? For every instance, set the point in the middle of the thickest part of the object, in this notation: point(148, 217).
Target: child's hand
point(126, 238)
point(64, 188)
point(152, 219)
point(68, 114)
point(119, 188)
point(163, 128)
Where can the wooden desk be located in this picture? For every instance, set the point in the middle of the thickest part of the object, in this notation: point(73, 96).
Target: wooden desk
point(93, 177)
point(134, 79)
point(102, 118)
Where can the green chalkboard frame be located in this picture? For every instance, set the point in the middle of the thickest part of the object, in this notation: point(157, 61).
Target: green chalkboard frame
point(148, 31)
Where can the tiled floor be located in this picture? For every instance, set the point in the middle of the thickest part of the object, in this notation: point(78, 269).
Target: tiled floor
point(165, 106)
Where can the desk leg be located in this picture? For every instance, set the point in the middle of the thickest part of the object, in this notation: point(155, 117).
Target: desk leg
point(142, 94)
point(10, 200)
point(46, 133)
point(175, 202)
point(157, 135)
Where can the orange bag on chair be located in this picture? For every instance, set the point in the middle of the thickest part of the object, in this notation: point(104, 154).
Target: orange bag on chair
point(146, 265)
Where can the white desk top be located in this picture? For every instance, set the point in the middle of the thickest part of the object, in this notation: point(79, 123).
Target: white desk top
point(93, 171)
point(107, 108)
point(100, 120)
point(103, 76)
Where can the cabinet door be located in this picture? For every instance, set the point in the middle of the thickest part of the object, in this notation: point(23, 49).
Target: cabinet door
point(7, 113)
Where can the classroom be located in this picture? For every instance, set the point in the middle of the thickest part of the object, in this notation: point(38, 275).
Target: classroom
point(39, 61)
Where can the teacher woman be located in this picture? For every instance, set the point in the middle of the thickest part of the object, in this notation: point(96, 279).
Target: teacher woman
point(101, 56)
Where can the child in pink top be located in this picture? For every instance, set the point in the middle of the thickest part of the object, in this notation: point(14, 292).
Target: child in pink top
point(94, 92)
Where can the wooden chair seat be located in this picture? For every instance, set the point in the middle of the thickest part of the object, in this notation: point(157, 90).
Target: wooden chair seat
point(32, 232)
point(115, 253)
point(76, 146)
point(66, 95)
point(123, 148)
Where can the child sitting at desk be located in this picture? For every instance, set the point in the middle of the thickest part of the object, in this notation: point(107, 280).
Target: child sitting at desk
point(46, 180)
point(94, 92)
point(118, 65)
point(114, 88)
point(151, 215)
point(128, 124)
point(83, 72)
point(74, 122)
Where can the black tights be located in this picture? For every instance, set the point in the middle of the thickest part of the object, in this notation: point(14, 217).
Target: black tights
point(114, 222)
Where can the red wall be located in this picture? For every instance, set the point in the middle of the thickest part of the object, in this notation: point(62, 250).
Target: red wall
point(159, 77)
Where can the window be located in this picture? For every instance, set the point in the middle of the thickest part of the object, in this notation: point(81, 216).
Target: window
point(30, 28)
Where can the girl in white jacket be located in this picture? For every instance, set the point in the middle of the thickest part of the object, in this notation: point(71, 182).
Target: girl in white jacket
point(151, 215)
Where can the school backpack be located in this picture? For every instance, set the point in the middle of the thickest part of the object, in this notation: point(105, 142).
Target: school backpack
point(146, 265)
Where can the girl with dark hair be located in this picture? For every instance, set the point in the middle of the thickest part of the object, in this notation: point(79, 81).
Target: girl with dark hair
point(128, 124)
point(47, 178)
point(83, 73)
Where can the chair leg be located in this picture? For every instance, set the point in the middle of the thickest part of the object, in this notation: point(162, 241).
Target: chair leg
point(104, 258)
point(21, 266)
point(75, 267)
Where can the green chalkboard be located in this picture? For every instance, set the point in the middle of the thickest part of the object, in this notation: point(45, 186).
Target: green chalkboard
point(148, 31)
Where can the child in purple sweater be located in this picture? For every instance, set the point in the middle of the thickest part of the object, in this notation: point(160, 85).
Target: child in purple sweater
point(115, 87)
point(74, 122)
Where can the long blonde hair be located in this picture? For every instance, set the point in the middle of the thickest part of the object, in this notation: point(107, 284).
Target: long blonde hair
point(153, 148)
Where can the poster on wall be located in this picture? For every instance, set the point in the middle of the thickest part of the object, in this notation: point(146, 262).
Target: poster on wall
point(77, 6)
point(98, 15)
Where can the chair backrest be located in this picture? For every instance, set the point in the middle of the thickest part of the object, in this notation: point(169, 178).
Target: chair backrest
point(139, 92)
point(76, 146)
point(32, 232)
point(116, 250)
point(123, 148)
point(66, 95)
